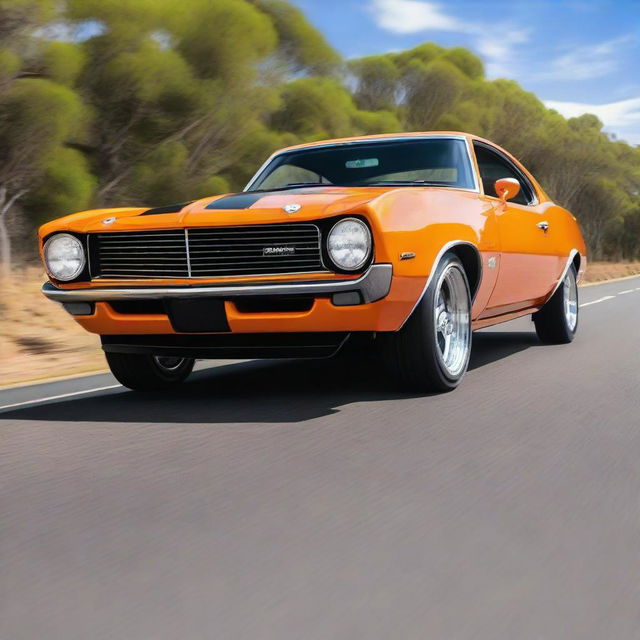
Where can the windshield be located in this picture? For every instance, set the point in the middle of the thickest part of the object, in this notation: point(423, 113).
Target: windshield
point(413, 162)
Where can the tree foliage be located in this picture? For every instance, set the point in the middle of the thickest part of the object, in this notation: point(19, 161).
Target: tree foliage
point(154, 101)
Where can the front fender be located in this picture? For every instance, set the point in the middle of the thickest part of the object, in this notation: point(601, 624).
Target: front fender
point(414, 229)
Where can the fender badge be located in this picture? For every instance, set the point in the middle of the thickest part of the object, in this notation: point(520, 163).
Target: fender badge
point(407, 255)
point(491, 263)
point(292, 208)
point(108, 221)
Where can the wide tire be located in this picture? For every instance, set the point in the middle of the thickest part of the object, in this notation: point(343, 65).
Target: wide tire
point(148, 373)
point(431, 351)
point(557, 321)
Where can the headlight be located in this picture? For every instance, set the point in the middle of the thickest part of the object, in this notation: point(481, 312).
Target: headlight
point(64, 257)
point(349, 244)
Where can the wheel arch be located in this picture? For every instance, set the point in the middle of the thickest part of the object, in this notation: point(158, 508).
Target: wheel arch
point(472, 263)
point(574, 259)
point(577, 261)
point(469, 255)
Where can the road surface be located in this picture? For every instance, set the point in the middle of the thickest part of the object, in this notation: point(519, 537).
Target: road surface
point(309, 501)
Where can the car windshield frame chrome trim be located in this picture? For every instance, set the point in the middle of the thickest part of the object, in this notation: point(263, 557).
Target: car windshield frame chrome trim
point(470, 158)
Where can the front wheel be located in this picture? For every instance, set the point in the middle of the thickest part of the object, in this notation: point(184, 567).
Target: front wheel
point(431, 352)
point(557, 321)
point(148, 373)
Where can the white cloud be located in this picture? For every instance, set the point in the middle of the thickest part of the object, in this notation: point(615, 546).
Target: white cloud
point(496, 43)
point(501, 53)
point(621, 118)
point(502, 47)
point(413, 16)
point(588, 62)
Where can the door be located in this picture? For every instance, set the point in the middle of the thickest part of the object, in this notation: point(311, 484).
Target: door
point(528, 264)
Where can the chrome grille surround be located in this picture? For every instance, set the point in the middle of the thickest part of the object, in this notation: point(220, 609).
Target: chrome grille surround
point(207, 252)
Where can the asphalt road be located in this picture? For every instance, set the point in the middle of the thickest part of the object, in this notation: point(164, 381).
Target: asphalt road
point(311, 501)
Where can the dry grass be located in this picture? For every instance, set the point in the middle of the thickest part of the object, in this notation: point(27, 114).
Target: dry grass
point(39, 340)
point(601, 271)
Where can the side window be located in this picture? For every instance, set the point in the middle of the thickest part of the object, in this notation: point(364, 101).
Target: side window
point(493, 166)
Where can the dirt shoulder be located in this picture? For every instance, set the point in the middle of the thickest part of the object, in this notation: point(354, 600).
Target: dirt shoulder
point(602, 271)
point(38, 339)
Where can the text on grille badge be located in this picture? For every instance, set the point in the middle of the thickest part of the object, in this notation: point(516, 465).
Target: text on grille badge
point(278, 251)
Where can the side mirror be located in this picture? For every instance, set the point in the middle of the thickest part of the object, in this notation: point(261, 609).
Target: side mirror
point(507, 188)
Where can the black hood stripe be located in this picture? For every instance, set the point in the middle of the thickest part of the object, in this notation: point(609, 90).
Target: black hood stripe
point(248, 199)
point(170, 208)
point(236, 201)
point(233, 201)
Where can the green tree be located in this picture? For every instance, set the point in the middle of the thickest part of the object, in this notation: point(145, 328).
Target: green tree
point(18, 47)
point(171, 99)
point(39, 112)
point(431, 90)
point(376, 79)
point(37, 116)
point(301, 47)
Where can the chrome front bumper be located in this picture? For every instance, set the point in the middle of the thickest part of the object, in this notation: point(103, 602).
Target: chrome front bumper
point(373, 285)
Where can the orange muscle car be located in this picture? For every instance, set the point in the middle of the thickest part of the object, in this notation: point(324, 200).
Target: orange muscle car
point(405, 243)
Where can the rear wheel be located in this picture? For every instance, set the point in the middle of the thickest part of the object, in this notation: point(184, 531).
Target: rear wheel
point(431, 352)
point(148, 373)
point(557, 321)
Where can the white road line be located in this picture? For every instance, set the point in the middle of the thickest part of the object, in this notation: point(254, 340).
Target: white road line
point(586, 304)
point(621, 293)
point(59, 397)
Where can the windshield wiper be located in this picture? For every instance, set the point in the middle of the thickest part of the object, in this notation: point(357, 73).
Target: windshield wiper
point(296, 185)
point(422, 183)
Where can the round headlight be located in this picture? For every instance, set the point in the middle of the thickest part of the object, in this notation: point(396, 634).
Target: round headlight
point(64, 257)
point(349, 244)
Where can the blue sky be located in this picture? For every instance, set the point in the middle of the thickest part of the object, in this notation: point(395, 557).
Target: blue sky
point(577, 56)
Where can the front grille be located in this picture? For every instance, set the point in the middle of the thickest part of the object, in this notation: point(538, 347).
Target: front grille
point(138, 254)
point(207, 252)
point(264, 249)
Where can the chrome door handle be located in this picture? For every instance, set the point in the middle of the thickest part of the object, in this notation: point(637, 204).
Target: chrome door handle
point(544, 225)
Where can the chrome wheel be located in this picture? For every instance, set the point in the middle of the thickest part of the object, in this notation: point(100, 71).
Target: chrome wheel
point(571, 301)
point(168, 363)
point(452, 321)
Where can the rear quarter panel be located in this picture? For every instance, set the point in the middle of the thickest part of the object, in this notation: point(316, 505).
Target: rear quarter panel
point(567, 236)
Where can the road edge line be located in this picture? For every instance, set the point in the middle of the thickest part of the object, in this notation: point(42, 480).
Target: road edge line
point(38, 381)
point(60, 396)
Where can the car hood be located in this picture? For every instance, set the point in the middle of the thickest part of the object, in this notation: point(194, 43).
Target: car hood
point(265, 207)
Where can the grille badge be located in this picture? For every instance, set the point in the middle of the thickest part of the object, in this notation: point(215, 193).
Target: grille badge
point(278, 251)
point(292, 208)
